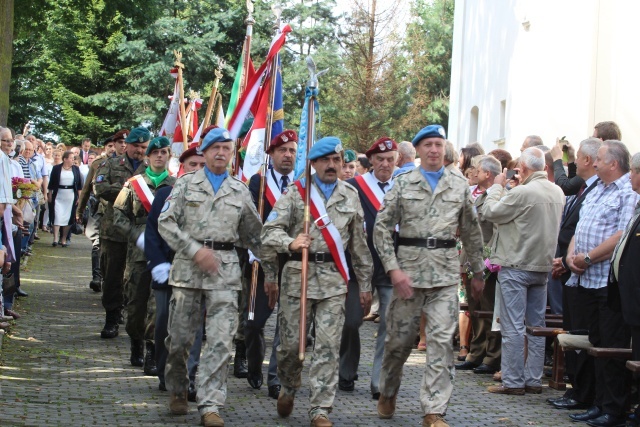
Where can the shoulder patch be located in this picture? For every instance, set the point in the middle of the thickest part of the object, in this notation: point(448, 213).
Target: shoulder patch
point(272, 216)
point(165, 207)
point(100, 178)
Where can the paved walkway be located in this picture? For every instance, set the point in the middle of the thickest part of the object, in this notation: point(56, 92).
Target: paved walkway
point(56, 370)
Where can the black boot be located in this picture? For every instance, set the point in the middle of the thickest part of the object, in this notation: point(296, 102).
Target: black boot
point(111, 326)
point(137, 353)
point(150, 368)
point(96, 283)
point(240, 367)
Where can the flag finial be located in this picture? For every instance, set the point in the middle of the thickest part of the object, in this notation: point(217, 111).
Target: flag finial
point(313, 74)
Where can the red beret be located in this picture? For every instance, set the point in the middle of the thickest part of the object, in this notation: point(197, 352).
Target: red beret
point(382, 145)
point(121, 134)
point(192, 151)
point(206, 130)
point(283, 138)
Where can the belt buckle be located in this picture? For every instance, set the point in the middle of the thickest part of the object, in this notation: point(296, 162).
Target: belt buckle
point(323, 226)
point(319, 257)
point(431, 242)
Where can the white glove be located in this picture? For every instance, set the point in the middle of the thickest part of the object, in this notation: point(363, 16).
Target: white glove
point(140, 241)
point(252, 258)
point(160, 273)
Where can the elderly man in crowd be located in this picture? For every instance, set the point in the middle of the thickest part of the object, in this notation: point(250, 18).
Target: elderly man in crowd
point(605, 214)
point(484, 352)
point(406, 158)
point(429, 204)
point(531, 141)
point(526, 258)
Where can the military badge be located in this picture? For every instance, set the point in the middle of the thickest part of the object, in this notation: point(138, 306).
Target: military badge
point(226, 134)
point(125, 136)
point(389, 144)
point(441, 132)
point(165, 207)
point(381, 146)
point(338, 148)
point(100, 178)
point(273, 215)
point(284, 138)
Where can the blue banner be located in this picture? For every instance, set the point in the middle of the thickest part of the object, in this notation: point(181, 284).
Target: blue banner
point(277, 125)
point(301, 156)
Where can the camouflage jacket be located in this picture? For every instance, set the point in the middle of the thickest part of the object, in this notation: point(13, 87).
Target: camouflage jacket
point(87, 189)
point(286, 221)
point(130, 216)
point(193, 213)
point(110, 178)
point(421, 213)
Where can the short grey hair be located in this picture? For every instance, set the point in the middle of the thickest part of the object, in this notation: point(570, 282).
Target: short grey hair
point(635, 163)
point(490, 164)
point(542, 148)
point(590, 146)
point(533, 159)
point(450, 153)
point(406, 149)
point(533, 140)
point(617, 151)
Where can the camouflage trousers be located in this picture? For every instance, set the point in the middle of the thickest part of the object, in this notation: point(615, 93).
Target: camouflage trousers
point(328, 315)
point(440, 306)
point(185, 317)
point(141, 302)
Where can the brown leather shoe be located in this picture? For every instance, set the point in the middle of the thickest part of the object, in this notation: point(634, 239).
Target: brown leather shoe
point(212, 419)
point(386, 406)
point(533, 389)
point(500, 389)
point(321, 421)
point(178, 404)
point(434, 420)
point(285, 404)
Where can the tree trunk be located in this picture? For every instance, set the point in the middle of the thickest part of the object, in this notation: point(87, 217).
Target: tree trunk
point(6, 42)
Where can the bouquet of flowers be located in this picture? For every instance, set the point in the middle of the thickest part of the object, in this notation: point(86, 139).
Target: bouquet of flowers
point(23, 188)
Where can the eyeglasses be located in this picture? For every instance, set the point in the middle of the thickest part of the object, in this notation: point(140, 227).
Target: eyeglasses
point(7, 140)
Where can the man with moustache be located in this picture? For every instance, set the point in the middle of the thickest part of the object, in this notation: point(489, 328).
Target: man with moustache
point(283, 155)
point(337, 226)
point(371, 187)
point(110, 178)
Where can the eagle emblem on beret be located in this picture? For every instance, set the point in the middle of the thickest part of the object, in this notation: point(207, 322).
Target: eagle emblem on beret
point(226, 134)
point(381, 146)
point(125, 136)
point(441, 132)
point(338, 148)
point(141, 139)
point(284, 138)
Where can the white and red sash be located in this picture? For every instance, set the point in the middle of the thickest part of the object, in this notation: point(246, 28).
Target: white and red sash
point(371, 189)
point(328, 229)
point(142, 191)
point(272, 191)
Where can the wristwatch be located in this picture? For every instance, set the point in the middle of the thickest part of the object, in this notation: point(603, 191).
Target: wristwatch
point(587, 259)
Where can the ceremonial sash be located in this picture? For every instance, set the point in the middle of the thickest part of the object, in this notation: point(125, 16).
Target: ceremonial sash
point(272, 191)
point(142, 191)
point(329, 231)
point(371, 189)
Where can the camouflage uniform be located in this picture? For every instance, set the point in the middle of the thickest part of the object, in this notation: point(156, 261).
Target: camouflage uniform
point(110, 178)
point(130, 217)
point(192, 214)
point(421, 214)
point(325, 292)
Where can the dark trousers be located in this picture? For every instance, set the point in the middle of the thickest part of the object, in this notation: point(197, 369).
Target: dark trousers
point(15, 270)
point(350, 342)
point(486, 345)
point(635, 350)
point(254, 332)
point(606, 329)
point(113, 259)
point(570, 356)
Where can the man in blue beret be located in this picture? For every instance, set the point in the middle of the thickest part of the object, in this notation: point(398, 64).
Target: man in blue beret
point(338, 225)
point(110, 177)
point(430, 205)
point(206, 216)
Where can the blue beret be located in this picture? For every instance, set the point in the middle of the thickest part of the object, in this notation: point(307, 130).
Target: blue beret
point(324, 147)
point(431, 131)
point(214, 135)
point(138, 136)
point(157, 143)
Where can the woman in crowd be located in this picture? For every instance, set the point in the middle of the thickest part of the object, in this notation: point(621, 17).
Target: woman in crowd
point(57, 157)
point(65, 183)
point(48, 153)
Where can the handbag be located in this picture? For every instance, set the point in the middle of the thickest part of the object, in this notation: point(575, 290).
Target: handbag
point(28, 214)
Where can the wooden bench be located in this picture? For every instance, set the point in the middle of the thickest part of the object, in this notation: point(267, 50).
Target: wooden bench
point(610, 353)
point(482, 314)
point(633, 366)
point(557, 375)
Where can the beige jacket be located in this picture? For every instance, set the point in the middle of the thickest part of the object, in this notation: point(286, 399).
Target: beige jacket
point(528, 219)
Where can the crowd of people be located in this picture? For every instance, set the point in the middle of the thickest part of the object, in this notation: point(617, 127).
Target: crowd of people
point(400, 234)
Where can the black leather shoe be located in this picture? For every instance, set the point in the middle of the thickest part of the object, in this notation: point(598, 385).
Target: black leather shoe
point(192, 392)
point(552, 400)
point(591, 414)
point(345, 385)
point(567, 403)
point(274, 391)
point(255, 380)
point(375, 396)
point(484, 369)
point(607, 420)
point(466, 366)
point(21, 293)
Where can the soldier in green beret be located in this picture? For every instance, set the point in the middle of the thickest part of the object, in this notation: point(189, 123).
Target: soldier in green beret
point(110, 177)
point(130, 217)
point(349, 166)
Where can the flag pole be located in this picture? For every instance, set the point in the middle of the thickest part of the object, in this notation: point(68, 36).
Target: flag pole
point(246, 57)
point(214, 92)
point(179, 65)
point(265, 164)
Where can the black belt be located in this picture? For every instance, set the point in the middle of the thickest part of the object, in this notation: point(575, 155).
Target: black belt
point(223, 246)
point(317, 257)
point(429, 242)
point(65, 187)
